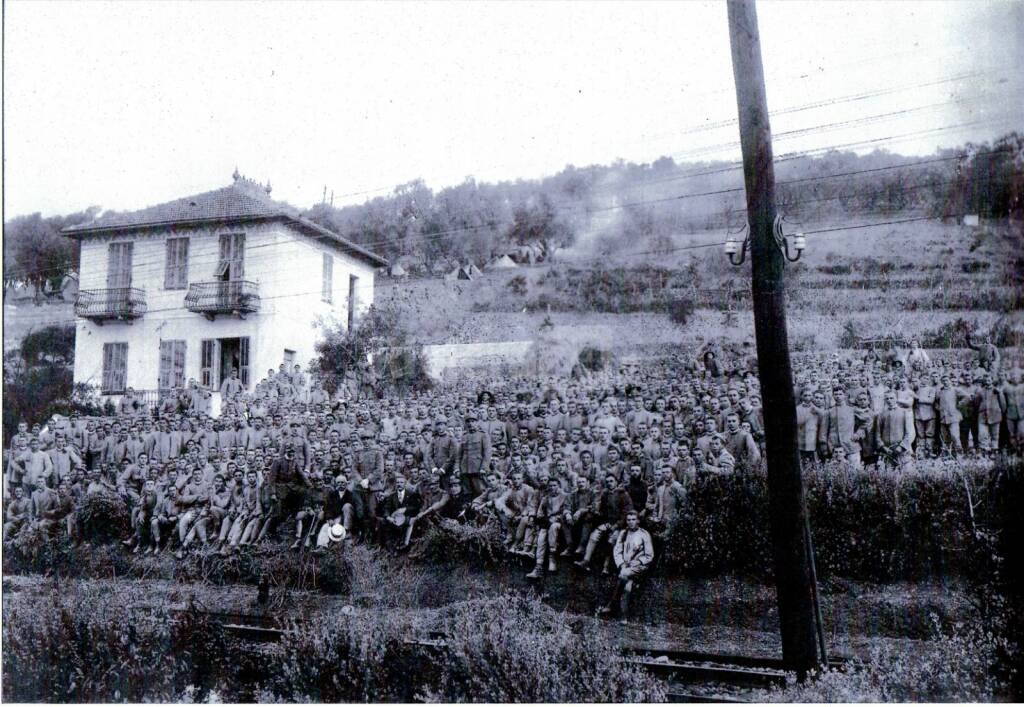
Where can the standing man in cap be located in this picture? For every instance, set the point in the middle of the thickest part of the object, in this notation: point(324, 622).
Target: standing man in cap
point(475, 456)
point(992, 404)
point(444, 450)
point(370, 459)
point(895, 433)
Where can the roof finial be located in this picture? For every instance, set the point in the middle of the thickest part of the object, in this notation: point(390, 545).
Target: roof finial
point(236, 176)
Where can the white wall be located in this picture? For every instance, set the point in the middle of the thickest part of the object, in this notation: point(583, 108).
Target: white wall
point(443, 357)
point(285, 263)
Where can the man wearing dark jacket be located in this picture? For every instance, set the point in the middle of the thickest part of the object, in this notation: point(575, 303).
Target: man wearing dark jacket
point(397, 508)
point(610, 508)
point(474, 456)
point(444, 450)
point(287, 485)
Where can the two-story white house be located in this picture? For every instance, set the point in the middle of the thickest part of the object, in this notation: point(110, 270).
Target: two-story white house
point(227, 279)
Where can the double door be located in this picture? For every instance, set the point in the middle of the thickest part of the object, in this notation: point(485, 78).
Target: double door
point(218, 357)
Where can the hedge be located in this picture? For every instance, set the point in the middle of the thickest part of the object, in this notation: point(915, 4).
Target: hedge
point(872, 525)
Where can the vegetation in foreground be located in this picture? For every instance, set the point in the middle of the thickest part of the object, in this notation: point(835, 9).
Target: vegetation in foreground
point(958, 667)
point(78, 644)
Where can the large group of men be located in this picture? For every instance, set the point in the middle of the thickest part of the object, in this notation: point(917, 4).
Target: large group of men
point(592, 468)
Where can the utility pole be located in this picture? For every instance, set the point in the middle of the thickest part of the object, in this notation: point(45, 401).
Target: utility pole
point(794, 577)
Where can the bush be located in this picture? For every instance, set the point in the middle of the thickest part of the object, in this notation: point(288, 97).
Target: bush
point(594, 359)
point(511, 649)
point(680, 310)
point(850, 338)
point(78, 644)
point(955, 667)
point(358, 657)
point(953, 335)
point(449, 542)
point(835, 269)
point(103, 517)
point(517, 285)
point(921, 523)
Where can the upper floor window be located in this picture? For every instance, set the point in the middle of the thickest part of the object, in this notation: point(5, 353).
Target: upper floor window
point(327, 289)
point(119, 265)
point(176, 268)
point(232, 257)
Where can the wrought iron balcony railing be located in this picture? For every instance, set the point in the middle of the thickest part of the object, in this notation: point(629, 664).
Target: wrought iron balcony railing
point(121, 303)
point(239, 297)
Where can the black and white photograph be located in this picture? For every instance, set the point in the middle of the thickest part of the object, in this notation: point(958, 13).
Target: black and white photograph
point(513, 352)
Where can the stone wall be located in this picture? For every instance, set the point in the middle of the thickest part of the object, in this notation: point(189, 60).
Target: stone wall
point(447, 357)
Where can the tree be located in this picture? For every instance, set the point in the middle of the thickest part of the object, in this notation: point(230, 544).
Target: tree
point(538, 220)
point(397, 363)
point(38, 380)
point(35, 250)
point(52, 344)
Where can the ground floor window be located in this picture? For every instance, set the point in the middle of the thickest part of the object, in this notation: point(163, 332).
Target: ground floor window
point(218, 357)
point(172, 365)
point(115, 367)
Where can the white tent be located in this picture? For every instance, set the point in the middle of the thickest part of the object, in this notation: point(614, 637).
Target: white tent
point(461, 273)
point(502, 262)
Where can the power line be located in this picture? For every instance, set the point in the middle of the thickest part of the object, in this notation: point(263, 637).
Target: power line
point(592, 210)
point(823, 103)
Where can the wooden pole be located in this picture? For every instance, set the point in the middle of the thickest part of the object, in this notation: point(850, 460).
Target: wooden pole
point(793, 576)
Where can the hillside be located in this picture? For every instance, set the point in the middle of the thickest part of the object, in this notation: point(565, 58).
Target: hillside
point(910, 278)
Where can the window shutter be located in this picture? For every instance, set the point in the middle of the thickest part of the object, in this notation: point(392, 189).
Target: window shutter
point(120, 367)
point(207, 356)
point(166, 356)
point(176, 270)
point(232, 256)
point(178, 367)
point(108, 367)
point(327, 289)
point(243, 361)
point(115, 367)
point(238, 257)
point(119, 265)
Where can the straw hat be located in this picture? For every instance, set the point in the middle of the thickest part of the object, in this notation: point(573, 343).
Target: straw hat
point(336, 533)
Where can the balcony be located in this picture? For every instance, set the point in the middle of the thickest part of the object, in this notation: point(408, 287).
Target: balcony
point(112, 304)
point(238, 297)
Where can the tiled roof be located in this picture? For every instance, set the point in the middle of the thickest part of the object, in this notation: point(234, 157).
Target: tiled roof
point(242, 201)
point(238, 201)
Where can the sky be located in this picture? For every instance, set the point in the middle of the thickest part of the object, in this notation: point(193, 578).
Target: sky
point(128, 104)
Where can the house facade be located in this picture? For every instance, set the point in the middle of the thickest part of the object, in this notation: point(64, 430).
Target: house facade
point(196, 287)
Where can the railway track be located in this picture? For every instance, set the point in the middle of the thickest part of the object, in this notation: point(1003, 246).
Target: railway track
point(691, 676)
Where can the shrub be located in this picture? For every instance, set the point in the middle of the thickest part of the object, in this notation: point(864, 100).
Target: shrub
point(78, 644)
point(955, 667)
point(517, 285)
point(680, 310)
point(850, 338)
point(510, 649)
point(835, 269)
point(953, 335)
point(594, 359)
point(103, 517)
point(358, 657)
point(974, 266)
point(921, 522)
point(448, 542)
